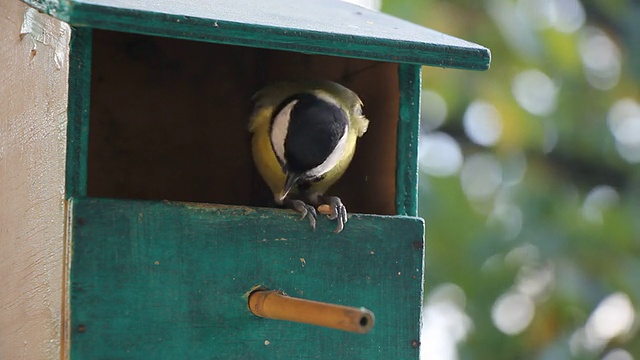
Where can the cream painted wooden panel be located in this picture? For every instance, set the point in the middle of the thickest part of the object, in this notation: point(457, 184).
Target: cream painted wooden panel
point(34, 51)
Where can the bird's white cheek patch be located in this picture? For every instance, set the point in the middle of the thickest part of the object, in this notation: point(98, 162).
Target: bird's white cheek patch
point(279, 130)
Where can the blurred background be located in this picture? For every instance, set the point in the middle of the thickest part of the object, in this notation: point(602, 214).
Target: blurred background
point(530, 180)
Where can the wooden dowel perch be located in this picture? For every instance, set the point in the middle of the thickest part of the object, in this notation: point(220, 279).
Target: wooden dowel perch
point(275, 305)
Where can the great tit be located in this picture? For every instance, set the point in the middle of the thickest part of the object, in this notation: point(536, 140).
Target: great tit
point(303, 139)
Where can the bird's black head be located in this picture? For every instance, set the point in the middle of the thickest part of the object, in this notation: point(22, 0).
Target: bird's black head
point(308, 134)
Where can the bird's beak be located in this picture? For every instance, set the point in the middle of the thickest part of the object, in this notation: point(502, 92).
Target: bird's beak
point(289, 183)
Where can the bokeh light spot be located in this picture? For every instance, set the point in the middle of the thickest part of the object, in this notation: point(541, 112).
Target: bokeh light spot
point(536, 281)
point(439, 154)
point(481, 176)
point(433, 110)
point(617, 354)
point(613, 317)
point(445, 323)
point(601, 58)
point(624, 123)
point(482, 123)
point(563, 15)
point(598, 200)
point(535, 92)
point(631, 153)
point(512, 313)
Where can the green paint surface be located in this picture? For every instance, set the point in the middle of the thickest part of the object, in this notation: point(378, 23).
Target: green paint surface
point(410, 78)
point(78, 112)
point(161, 280)
point(311, 26)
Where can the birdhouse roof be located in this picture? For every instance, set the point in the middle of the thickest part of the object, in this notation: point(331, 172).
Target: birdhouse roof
point(329, 27)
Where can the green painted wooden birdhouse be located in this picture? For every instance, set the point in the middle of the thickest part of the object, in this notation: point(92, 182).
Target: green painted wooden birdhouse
point(134, 223)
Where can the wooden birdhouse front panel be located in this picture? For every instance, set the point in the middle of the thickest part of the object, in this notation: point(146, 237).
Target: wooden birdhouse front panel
point(164, 227)
point(170, 280)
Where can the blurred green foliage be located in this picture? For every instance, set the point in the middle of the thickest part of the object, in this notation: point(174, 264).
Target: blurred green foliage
point(545, 262)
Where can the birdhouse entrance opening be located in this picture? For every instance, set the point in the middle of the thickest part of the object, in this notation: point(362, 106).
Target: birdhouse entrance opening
point(168, 120)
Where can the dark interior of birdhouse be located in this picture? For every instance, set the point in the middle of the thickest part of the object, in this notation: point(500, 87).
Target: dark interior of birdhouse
point(168, 121)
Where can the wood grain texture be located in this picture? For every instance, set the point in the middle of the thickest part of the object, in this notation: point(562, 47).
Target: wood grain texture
point(161, 280)
point(311, 26)
point(33, 99)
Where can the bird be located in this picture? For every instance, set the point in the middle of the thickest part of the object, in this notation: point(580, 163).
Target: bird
point(303, 137)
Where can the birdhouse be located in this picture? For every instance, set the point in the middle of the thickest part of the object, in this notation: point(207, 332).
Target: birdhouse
point(134, 223)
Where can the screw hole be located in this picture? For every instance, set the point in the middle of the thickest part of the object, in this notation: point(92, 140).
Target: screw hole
point(364, 321)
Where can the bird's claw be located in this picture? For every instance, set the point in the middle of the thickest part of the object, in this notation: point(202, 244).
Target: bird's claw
point(334, 209)
point(338, 212)
point(306, 211)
